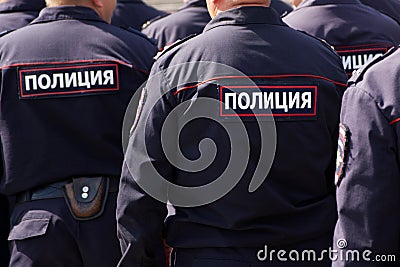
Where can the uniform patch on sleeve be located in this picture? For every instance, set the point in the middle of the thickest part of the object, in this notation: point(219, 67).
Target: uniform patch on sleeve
point(342, 151)
point(67, 79)
point(282, 102)
point(354, 57)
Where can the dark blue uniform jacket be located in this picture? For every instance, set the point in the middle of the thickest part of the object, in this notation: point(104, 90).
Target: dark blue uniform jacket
point(4, 229)
point(190, 19)
point(358, 33)
point(388, 7)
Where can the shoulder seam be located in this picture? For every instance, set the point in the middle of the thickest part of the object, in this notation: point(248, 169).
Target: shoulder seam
point(359, 74)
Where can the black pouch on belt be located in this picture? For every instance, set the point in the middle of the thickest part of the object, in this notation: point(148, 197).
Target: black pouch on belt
point(86, 197)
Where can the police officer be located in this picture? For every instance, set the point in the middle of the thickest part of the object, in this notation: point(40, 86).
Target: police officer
point(357, 32)
point(4, 229)
point(294, 208)
point(15, 14)
point(66, 81)
point(189, 19)
point(388, 7)
point(134, 13)
point(281, 7)
point(367, 169)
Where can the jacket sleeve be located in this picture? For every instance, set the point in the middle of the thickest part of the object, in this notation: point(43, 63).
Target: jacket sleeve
point(368, 192)
point(140, 217)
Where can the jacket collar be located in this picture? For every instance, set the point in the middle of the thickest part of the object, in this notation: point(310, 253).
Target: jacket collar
point(22, 5)
point(245, 15)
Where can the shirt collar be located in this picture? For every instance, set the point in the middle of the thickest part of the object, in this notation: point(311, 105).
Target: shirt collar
point(307, 3)
point(245, 15)
point(22, 5)
point(67, 13)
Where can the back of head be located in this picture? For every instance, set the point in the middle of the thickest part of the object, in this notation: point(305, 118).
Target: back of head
point(51, 3)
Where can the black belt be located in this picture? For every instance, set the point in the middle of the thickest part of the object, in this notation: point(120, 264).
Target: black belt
point(56, 190)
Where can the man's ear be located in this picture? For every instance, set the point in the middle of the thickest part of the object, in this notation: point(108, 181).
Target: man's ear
point(98, 3)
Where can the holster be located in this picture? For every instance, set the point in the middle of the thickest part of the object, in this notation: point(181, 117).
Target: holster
point(86, 197)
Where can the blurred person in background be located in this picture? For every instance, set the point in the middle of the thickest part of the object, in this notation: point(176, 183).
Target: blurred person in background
point(190, 19)
point(66, 80)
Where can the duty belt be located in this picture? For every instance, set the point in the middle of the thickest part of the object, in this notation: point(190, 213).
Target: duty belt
point(56, 190)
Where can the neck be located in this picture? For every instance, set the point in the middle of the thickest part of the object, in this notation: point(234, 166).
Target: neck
point(53, 3)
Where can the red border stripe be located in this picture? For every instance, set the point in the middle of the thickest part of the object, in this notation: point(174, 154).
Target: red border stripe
point(260, 77)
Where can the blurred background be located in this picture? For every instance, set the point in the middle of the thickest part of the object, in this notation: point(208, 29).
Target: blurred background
point(170, 5)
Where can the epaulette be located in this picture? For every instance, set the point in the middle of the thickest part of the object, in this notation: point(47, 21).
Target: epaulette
point(132, 30)
point(173, 45)
point(147, 23)
point(6, 32)
point(359, 74)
